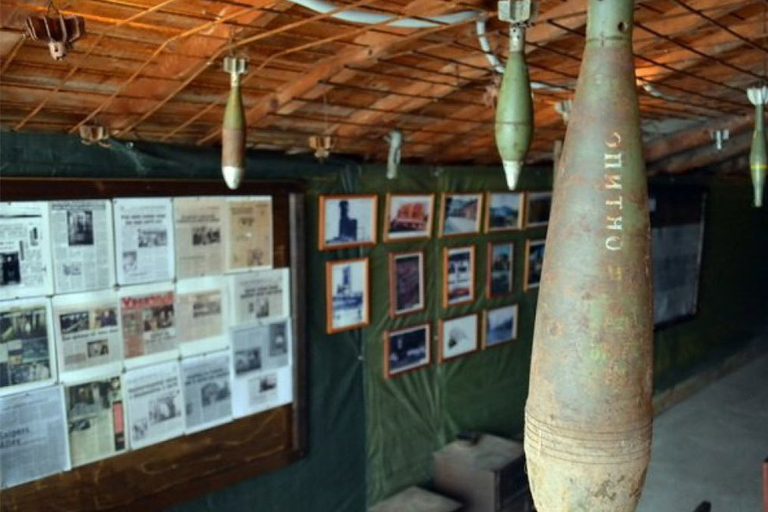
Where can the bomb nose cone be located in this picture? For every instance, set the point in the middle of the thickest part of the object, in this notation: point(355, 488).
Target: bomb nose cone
point(512, 170)
point(233, 175)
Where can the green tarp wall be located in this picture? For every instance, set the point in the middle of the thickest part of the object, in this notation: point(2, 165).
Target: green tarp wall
point(370, 437)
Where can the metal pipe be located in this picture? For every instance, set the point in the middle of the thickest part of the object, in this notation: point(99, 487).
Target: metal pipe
point(372, 18)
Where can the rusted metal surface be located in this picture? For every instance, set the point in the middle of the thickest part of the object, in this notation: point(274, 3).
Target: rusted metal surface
point(588, 415)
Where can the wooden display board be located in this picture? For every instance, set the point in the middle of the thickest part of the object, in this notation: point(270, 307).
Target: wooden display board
point(179, 470)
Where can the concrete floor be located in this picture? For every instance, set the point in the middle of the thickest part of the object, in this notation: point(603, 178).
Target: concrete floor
point(711, 447)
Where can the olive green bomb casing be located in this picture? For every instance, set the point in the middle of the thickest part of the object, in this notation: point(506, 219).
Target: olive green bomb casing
point(588, 414)
point(758, 157)
point(514, 107)
point(233, 126)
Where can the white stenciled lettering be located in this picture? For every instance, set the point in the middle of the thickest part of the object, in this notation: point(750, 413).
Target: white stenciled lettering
point(614, 160)
point(613, 243)
point(618, 202)
point(613, 181)
point(613, 144)
point(614, 223)
point(613, 163)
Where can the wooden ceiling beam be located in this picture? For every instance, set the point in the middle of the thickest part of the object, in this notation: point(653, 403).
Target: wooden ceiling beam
point(231, 47)
point(325, 69)
point(76, 67)
point(702, 156)
point(682, 58)
point(690, 138)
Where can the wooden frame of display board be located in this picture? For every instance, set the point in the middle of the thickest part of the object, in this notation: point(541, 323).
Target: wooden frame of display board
point(186, 467)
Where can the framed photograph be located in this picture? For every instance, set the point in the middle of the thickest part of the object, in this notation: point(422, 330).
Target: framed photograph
point(461, 214)
point(534, 258)
point(538, 205)
point(458, 336)
point(347, 294)
point(406, 283)
point(501, 264)
point(458, 275)
point(499, 325)
point(406, 350)
point(505, 212)
point(408, 217)
point(347, 221)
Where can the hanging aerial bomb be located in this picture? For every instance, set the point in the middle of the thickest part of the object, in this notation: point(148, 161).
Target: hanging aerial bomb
point(233, 127)
point(588, 415)
point(758, 158)
point(514, 109)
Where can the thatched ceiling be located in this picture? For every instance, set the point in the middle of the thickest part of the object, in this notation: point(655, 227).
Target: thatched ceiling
point(151, 70)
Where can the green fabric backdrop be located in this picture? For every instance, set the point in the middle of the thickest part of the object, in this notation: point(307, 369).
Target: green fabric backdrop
point(411, 415)
point(370, 437)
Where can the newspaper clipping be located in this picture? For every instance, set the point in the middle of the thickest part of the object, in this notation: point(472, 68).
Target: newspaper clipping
point(250, 233)
point(207, 395)
point(87, 331)
point(33, 436)
point(257, 296)
point(200, 314)
point(83, 250)
point(260, 391)
point(144, 240)
point(25, 252)
point(155, 405)
point(147, 319)
point(26, 345)
point(199, 230)
point(95, 419)
point(259, 353)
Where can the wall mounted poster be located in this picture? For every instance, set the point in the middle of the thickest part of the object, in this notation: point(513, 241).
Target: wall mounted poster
point(347, 297)
point(458, 336)
point(406, 283)
point(505, 212)
point(408, 217)
point(25, 250)
point(347, 221)
point(26, 345)
point(461, 214)
point(144, 240)
point(155, 404)
point(96, 419)
point(87, 332)
point(499, 325)
point(458, 275)
point(261, 295)
point(199, 224)
point(537, 209)
point(148, 323)
point(207, 393)
point(501, 259)
point(83, 245)
point(201, 316)
point(534, 261)
point(249, 233)
point(677, 239)
point(33, 430)
point(406, 350)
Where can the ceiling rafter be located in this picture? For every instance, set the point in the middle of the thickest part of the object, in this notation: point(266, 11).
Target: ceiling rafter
point(152, 75)
point(321, 71)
